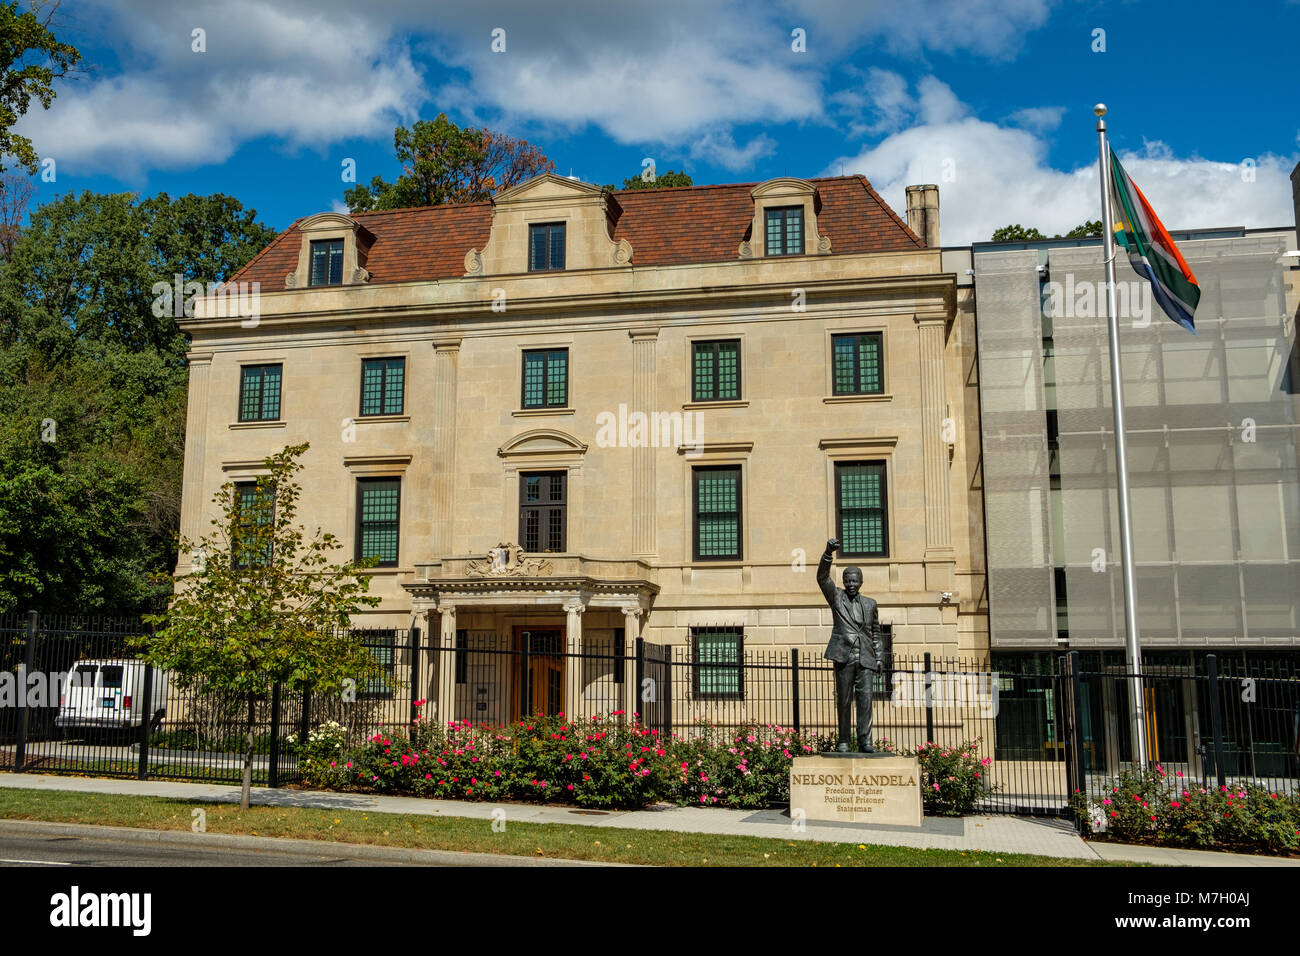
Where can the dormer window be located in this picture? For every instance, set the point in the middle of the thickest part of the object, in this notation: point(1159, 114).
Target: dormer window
point(784, 231)
point(327, 262)
point(546, 247)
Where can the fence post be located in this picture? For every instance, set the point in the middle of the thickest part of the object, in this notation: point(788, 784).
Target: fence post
point(794, 686)
point(142, 770)
point(415, 671)
point(29, 650)
point(929, 703)
point(1075, 743)
point(1216, 715)
point(640, 674)
point(304, 721)
point(525, 678)
point(665, 696)
point(273, 768)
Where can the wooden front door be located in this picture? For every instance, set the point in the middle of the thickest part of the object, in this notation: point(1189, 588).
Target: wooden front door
point(545, 673)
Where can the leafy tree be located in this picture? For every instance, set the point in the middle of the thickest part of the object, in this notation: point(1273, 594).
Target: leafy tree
point(1019, 233)
point(1088, 229)
point(265, 605)
point(88, 265)
point(1016, 233)
point(31, 58)
point(91, 446)
point(661, 181)
point(444, 163)
point(15, 194)
point(93, 393)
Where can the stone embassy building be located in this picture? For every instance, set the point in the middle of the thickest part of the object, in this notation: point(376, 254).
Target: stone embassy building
point(593, 416)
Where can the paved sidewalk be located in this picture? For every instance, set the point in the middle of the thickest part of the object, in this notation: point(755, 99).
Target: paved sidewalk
point(994, 833)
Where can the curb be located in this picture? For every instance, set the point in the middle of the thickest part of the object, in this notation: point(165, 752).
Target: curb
point(293, 847)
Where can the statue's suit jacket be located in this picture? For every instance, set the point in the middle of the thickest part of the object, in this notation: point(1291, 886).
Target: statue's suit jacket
point(856, 630)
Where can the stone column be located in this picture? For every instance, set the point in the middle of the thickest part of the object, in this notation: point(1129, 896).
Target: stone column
point(446, 360)
point(939, 555)
point(631, 702)
point(574, 682)
point(423, 613)
point(446, 701)
point(194, 492)
point(643, 457)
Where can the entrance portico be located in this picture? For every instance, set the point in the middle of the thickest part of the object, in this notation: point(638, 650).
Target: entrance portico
point(571, 608)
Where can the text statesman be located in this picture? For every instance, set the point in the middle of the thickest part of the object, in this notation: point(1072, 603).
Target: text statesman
point(854, 647)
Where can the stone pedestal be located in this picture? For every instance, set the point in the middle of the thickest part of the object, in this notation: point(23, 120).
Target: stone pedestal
point(857, 788)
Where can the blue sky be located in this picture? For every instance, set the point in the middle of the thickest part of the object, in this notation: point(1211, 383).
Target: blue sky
point(990, 99)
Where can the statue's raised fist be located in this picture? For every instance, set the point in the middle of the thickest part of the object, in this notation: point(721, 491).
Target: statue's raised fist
point(832, 545)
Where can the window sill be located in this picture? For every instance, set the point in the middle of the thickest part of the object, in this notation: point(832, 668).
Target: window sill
point(721, 403)
point(846, 399)
point(538, 412)
point(373, 571)
point(278, 423)
point(381, 418)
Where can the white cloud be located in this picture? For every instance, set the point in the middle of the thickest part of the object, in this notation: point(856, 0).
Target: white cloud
point(1000, 175)
point(678, 77)
point(288, 71)
point(1039, 119)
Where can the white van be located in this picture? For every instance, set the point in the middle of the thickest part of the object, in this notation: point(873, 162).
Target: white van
point(109, 694)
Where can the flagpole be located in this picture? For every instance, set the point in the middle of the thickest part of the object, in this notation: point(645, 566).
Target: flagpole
point(1121, 453)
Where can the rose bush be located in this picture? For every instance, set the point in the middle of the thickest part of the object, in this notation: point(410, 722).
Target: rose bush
point(1156, 807)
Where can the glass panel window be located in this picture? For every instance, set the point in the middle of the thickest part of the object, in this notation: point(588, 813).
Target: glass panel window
point(327, 262)
point(717, 513)
point(716, 371)
point(546, 247)
point(718, 669)
point(378, 513)
point(857, 364)
point(860, 508)
point(542, 507)
point(382, 383)
point(380, 643)
point(785, 231)
point(254, 518)
point(259, 393)
point(546, 378)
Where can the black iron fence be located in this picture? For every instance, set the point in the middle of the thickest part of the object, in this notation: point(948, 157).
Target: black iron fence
point(1201, 728)
point(74, 697)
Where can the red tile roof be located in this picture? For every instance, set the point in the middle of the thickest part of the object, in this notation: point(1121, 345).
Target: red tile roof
point(665, 227)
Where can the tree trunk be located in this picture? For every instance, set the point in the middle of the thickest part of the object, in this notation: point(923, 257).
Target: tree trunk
point(248, 757)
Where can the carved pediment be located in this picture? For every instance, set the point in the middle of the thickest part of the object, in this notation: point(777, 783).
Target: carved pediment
point(507, 560)
point(542, 441)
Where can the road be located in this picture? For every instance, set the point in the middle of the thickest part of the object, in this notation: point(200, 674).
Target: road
point(60, 845)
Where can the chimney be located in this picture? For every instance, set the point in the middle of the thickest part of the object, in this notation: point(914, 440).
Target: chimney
point(923, 213)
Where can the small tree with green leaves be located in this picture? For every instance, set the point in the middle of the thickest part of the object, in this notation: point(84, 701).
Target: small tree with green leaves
point(264, 605)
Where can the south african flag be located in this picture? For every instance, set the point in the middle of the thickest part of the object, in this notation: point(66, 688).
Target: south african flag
point(1151, 252)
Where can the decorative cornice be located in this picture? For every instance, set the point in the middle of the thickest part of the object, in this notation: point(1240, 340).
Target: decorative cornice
point(866, 441)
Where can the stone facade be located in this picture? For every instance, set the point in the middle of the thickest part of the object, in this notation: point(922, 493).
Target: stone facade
point(462, 439)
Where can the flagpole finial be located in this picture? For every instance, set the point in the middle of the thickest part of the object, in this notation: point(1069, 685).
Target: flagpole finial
point(1100, 109)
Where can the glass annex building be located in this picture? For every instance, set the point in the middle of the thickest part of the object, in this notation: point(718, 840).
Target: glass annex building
point(1213, 465)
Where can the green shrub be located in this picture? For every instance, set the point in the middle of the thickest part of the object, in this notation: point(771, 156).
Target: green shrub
point(1152, 807)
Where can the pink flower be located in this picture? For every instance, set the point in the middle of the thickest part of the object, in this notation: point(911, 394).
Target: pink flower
point(936, 786)
point(1172, 803)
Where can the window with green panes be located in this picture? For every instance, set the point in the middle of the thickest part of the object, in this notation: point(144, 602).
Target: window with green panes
point(718, 658)
point(546, 378)
point(861, 510)
point(785, 231)
point(716, 371)
point(857, 364)
point(259, 393)
point(327, 262)
point(717, 513)
point(254, 510)
point(382, 383)
point(378, 513)
point(379, 642)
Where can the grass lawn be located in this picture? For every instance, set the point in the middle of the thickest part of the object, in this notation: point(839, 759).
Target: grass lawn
point(558, 840)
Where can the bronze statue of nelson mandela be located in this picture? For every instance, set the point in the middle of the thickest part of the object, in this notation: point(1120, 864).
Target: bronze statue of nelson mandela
point(855, 647)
